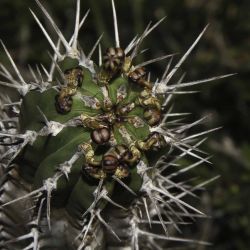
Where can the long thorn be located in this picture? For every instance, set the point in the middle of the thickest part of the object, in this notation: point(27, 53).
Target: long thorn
point(177, 66)
point(81, 24)
point(56, 50)
point(13, 64)
point(57, 30)
point(107, 226)
point(200, 134)
point(147, 212)
point(77, 25)
point(153, 60)
point(124, 185)
point(117, 41)
point(94, 47)
point(187, 84)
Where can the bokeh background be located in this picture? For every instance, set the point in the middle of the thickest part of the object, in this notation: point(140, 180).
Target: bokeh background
point(225, 48)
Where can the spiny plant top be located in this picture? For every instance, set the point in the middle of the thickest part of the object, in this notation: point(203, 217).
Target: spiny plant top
point(98, 137)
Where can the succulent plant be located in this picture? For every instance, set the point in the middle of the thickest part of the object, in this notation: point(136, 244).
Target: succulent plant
point(86, 149)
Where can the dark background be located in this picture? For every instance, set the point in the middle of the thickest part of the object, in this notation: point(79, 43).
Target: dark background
point(223, 49)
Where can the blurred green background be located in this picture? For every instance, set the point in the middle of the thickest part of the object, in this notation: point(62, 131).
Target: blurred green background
point(225, 48)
